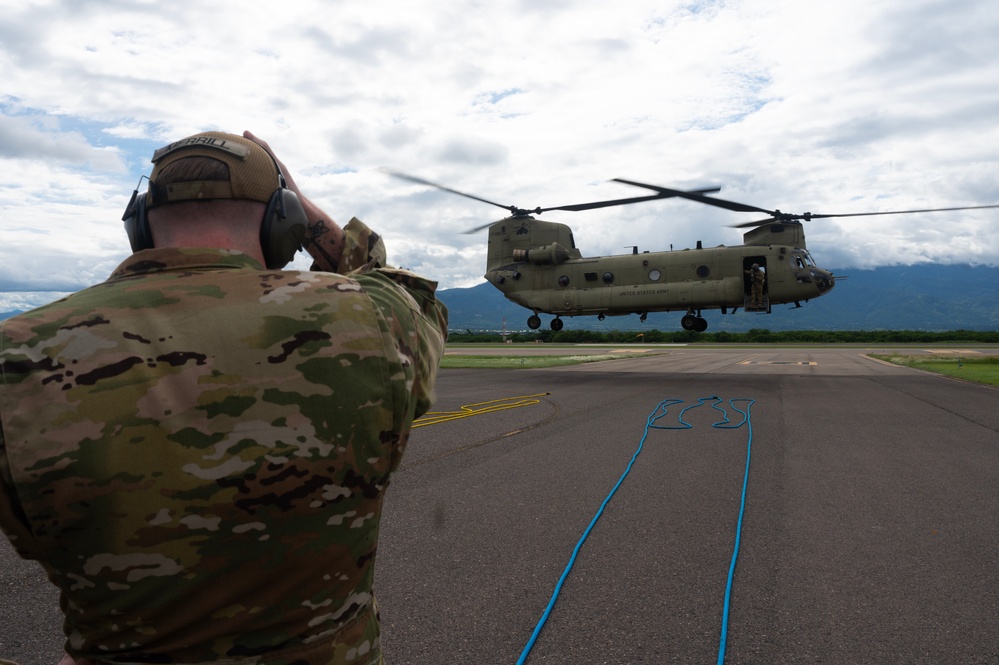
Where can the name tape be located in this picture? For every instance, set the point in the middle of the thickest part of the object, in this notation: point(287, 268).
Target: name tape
point(236, 149)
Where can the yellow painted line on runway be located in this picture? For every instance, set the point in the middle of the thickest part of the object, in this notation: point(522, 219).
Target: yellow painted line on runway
point(778, 362)
point(477, 409)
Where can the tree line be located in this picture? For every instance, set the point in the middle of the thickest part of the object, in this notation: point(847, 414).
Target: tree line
point(753, 336)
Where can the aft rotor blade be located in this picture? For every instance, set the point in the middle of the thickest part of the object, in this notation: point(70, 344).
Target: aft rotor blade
point(521, 212)
point(696, 196)
point(598, 204)
point(747, 225)
point(619, 202)
point(479, 228)
point(421, 181)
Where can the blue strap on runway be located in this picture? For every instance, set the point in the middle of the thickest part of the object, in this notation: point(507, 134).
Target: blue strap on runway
point(748, 421)
point(659, 412)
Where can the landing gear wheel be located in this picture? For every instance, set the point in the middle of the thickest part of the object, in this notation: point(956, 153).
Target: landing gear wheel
point(688, 322)
point(557, 324)
point(700, 325)
point(534, 322)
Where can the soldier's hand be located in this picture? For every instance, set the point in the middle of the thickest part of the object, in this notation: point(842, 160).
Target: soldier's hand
point(324, 239)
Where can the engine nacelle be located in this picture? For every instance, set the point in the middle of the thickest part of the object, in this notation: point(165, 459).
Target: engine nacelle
point(552, 254)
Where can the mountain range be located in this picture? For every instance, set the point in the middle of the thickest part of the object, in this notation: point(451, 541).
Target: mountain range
point(931, 297)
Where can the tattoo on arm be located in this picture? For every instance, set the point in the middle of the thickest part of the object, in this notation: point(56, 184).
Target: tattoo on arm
point(315, 232)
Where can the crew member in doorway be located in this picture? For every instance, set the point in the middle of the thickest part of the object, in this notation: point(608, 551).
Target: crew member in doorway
point(757, 278)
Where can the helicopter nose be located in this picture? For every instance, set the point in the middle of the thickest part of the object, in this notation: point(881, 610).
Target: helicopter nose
point(823, 280)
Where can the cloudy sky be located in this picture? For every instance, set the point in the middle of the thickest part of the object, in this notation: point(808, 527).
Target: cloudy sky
point(828, 106)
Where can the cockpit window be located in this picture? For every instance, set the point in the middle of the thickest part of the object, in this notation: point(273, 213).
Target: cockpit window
point(802, 259)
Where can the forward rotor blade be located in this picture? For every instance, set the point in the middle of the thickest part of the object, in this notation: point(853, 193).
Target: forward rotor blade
point(898, 212)
point(808, 216)
point(696, 196)
point(777, 215)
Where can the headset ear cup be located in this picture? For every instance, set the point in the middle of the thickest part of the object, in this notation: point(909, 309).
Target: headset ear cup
point(283, 228)
point(137, 223)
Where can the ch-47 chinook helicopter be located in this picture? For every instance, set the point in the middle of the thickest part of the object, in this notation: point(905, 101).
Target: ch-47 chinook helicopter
point(536, 264)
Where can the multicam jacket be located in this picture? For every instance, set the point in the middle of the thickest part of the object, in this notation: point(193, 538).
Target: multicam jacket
point(197, 449)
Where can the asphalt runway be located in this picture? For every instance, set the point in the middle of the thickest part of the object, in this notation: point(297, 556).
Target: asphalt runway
point(870, 532)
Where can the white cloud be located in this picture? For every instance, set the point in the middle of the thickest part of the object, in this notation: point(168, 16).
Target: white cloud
point(830, 107)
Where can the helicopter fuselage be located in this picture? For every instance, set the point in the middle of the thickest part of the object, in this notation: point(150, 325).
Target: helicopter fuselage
point(535, 264)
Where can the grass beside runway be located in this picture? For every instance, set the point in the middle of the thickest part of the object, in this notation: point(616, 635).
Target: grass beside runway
point(983, 370)
point(970, 365)
point(517, 362)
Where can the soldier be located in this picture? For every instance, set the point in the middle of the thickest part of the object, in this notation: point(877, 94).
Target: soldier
point(197, 449)
point(757, 279)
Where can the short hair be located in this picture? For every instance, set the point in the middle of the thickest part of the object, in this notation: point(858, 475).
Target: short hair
point(195, 169)
point(190, 169)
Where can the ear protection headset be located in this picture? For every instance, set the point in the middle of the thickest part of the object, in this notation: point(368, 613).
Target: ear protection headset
point(284, 224)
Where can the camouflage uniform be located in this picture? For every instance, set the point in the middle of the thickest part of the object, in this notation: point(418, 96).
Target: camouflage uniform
point(197, 450)
point(757, 278)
